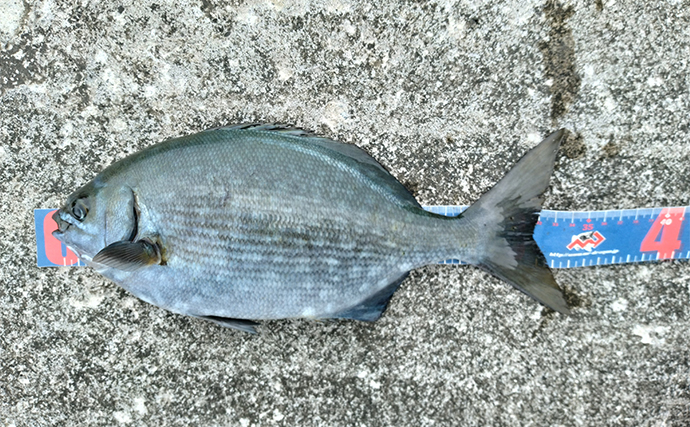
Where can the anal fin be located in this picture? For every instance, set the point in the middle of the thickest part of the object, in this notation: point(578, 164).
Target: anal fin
point(373, 307)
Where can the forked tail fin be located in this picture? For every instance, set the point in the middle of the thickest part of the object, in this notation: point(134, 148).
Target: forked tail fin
point(505, 218)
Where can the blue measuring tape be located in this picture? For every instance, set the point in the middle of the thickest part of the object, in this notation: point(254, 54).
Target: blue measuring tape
point(567, 239)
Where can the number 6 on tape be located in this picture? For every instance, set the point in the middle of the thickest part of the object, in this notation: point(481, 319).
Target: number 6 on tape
point(51, 252)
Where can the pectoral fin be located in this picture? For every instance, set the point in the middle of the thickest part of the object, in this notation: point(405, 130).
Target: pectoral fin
point(129, 256)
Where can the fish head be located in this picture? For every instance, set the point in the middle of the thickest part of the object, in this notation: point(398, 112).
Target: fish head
point(93, 217)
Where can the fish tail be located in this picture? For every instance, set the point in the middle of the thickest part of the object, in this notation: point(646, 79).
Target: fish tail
point(505, 218)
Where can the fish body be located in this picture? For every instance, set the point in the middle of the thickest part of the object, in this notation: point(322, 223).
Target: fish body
point(261, 222)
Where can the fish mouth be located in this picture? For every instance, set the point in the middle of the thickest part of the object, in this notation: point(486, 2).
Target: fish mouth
point(59, 235)
point(61, 224)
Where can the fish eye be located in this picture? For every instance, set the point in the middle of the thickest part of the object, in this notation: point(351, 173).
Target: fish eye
point(79, 211)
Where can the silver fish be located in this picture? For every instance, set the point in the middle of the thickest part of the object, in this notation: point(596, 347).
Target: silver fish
point(254, 222)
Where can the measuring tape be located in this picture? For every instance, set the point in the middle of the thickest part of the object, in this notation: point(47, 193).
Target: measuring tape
point(567, 239)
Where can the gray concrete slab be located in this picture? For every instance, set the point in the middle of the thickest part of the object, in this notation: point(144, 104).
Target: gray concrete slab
point(447, 95)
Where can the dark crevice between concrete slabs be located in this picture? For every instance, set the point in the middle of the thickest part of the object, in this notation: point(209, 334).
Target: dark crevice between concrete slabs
point(559, 59)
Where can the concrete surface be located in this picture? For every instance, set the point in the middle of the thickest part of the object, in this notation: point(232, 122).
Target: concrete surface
point(447, 95)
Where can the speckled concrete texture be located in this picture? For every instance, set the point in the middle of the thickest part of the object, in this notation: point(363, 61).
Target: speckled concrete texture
point(447, 95)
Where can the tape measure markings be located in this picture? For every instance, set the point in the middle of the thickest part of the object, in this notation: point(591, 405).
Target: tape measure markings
point(619, 236)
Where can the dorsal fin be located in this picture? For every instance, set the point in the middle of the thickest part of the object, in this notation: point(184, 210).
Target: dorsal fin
point(267, 127)
point(368, 166)
point(349, 150)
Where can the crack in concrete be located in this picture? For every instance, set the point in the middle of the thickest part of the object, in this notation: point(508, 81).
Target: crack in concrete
point(559, 59)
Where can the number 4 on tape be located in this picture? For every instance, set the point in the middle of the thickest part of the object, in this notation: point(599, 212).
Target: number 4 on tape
point(663, 236)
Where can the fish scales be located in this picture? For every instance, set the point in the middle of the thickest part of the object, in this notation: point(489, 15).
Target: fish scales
point(327, 200)
point(266, 223)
